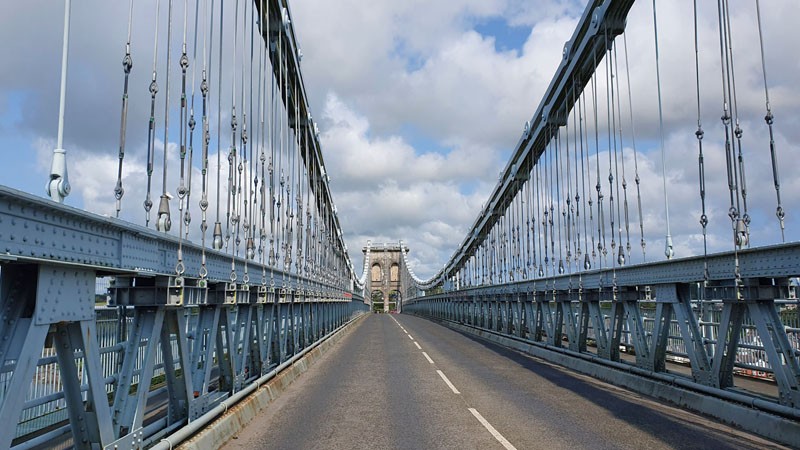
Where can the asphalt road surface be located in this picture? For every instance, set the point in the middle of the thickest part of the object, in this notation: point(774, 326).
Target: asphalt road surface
point(402, 382)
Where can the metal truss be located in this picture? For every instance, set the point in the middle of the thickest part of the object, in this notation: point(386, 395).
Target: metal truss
point(211, 337)
point(598, 313)
point(192, 328)
point(208, 348)
point(601, 22)
point(36, 230)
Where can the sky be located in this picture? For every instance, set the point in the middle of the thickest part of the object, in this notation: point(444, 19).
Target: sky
point(419, 105)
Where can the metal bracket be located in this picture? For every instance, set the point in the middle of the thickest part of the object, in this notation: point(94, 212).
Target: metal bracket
point(262, 295)
point(132, 441)
point(58, 187)
point(64, 295)
point(158, 291)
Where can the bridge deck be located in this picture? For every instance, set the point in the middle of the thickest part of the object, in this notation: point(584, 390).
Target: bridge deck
point(378, 390)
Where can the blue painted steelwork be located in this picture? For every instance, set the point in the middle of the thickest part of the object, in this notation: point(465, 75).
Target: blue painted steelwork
point(587, 324)
point(601, 22)
point(192, 329)
point(710, 312)
point(204, 333)
point(37, 230)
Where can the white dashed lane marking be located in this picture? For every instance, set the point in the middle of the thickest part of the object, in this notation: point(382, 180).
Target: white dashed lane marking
point(492, 430)
point(447, 381)
point(502, 440)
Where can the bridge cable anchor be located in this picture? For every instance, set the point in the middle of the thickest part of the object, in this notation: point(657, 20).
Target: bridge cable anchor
point(164, 222)
point(58, 186)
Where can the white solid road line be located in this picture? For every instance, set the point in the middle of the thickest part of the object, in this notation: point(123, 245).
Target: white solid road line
point(427, 357)
point(453, 388)
point(492, 430)
point(415, 343)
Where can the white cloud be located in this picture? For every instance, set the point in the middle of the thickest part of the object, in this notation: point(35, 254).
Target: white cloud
point(385, 191)
point(386, 76)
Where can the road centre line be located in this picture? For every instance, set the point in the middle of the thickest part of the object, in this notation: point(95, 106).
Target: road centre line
point(492, 430)
point(500, 438)
point(447, 381)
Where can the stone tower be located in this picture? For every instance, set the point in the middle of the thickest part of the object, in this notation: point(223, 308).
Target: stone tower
point(383, 280)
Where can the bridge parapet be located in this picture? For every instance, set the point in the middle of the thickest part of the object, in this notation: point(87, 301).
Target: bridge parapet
point(663, 321)
point(193, 324)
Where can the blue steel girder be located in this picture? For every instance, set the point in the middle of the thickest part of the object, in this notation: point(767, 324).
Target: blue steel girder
point(50, 255)
point(755, 291)
point(285, 56)
point(601, 22)
point(37, 230)
point(780, 261)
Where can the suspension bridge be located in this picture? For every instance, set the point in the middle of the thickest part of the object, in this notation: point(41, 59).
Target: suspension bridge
point(210, 295)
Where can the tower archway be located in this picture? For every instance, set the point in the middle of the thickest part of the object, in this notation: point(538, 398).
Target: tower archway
point(385, 275)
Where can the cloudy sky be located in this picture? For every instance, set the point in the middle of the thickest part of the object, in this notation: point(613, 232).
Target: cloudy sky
point(419, 105)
